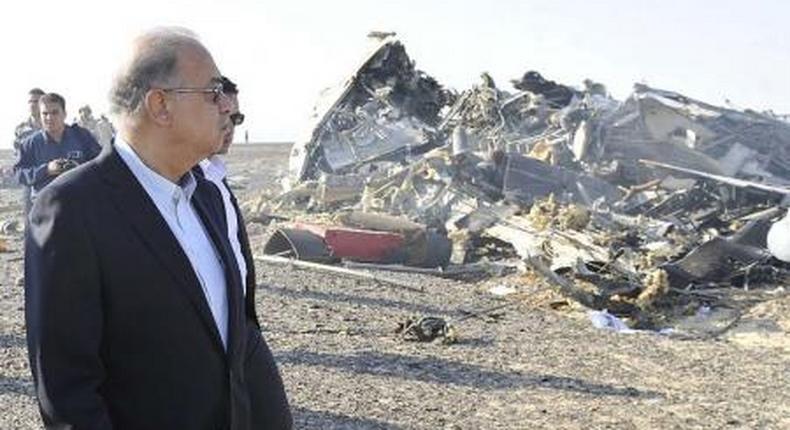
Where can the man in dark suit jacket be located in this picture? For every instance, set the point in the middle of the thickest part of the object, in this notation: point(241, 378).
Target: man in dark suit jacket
point(134, 304)
point(214, 170)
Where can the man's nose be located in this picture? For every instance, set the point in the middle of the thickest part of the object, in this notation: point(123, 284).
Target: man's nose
point(225, 103)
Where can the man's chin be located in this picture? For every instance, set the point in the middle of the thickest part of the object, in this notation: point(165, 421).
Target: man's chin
point(224, 146)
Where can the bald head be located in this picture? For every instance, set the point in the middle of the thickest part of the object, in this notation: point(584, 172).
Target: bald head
point(153, 61)
point(169, 101)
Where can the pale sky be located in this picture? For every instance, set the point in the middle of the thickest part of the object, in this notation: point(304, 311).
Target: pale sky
point(282, 53)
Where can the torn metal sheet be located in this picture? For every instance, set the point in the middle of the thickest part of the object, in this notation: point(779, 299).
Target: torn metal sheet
point(717, 260)
point(527, 179)
point(386, 108)
point(358, 244)
point(778, 189)
point(334, 189)
point(557, 95)
point(312, 242)
point(672, 120)
point(300, 244)
point(736, 158)
point(563, 249)
point(381, 222)
point(370, 140)
point(423, 247)
point(480, 217)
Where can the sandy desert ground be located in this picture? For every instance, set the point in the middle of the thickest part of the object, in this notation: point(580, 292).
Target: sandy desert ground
point(524, 366)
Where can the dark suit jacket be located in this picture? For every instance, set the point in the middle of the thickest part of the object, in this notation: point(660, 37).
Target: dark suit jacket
point(244, 240)
point(119, 331)
point(263, 377)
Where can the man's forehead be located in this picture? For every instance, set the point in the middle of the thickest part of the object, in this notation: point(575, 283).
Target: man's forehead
point(50, 106)
point(196, 61)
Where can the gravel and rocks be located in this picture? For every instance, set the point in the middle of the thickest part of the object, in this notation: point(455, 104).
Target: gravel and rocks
point(537, 363)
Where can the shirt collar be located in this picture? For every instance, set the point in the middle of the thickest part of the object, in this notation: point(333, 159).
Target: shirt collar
point(50, 140)
point(154, 183)
point(214, 168)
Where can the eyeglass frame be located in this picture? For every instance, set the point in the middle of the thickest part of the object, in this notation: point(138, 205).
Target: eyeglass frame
point(218, 90)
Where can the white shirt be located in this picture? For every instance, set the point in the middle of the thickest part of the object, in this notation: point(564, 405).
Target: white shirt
point(215, 171)
point(175, 206)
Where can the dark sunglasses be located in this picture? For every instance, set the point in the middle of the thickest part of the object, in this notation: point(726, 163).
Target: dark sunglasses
point(237, 118)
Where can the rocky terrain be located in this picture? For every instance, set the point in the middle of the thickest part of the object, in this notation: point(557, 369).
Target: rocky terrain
point(522, 361)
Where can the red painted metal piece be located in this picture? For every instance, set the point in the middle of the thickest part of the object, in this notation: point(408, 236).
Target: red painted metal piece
point(356, 244)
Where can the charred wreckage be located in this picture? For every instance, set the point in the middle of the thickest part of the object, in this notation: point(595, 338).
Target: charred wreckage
point(635, 206)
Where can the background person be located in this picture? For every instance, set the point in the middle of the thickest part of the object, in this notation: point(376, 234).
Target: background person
point(55, 149)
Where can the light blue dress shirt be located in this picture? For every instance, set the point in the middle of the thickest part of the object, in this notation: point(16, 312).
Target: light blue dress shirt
point(175, 206)
point(215, 171)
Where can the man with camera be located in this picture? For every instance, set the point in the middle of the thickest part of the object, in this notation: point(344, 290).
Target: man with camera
point(55, 149)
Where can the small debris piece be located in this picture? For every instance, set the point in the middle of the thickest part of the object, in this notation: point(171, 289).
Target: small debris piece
point(656, 286)
point(427, 329)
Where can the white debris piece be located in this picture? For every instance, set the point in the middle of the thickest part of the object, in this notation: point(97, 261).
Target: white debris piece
point(779, 239)
point(606, 321)
point(502, 290)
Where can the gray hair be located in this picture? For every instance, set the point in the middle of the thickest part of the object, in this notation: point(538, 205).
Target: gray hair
point(153, 62)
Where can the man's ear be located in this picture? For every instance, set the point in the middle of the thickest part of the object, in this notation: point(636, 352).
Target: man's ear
point(158, 108)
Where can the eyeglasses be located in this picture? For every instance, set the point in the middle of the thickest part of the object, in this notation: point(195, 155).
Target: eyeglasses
point(216, 90)
point(237, 118)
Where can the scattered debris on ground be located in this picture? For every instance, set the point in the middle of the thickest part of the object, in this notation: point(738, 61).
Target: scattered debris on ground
point(636, 207)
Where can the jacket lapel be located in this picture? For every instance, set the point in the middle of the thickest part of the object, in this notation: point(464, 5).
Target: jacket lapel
point(135, 204)
point(246, 252)
point(208, 204)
